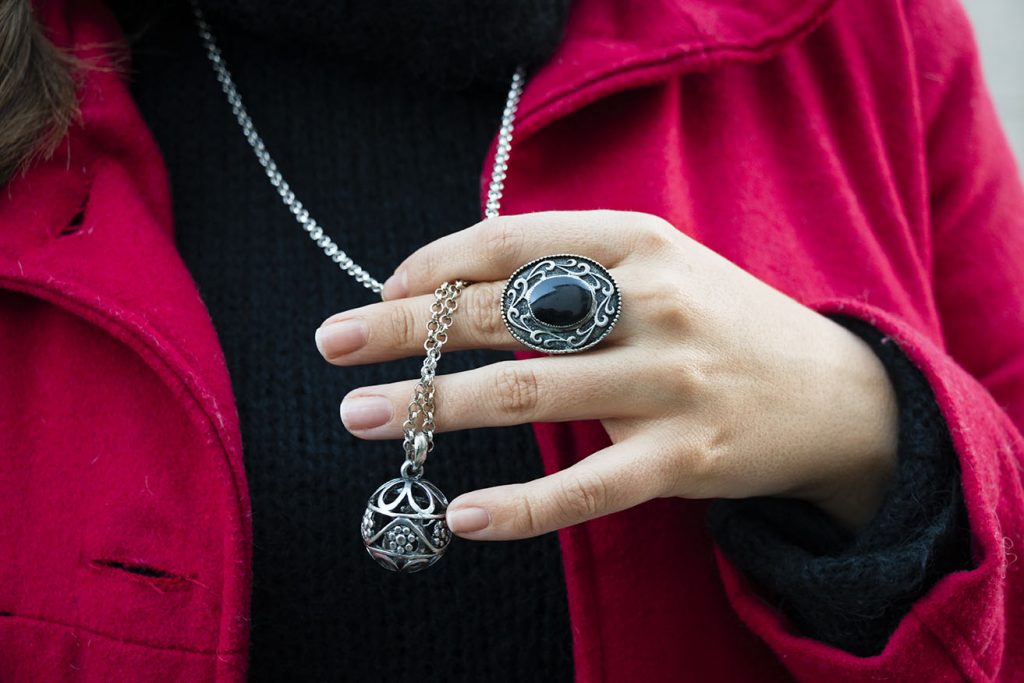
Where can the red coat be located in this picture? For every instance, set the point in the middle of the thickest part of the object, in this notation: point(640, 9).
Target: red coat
point(848, 155)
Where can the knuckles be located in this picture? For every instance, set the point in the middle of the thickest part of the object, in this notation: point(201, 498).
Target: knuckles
point(705, 463)
point(482, 308)
point(577, 497)
point(653, 235)
point(661, 301)
point(503, 239)
point(516, 390)
point(525, 518)
point(685, 376)
point(582, 496)
point(401, 325)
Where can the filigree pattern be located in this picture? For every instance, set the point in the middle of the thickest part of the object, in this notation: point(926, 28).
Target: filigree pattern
point(519, 319)
point(404, 526)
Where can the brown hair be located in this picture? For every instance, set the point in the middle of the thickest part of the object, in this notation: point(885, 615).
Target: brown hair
point(37, 89)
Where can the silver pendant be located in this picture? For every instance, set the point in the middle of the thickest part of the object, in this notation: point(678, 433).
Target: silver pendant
point(404, 527)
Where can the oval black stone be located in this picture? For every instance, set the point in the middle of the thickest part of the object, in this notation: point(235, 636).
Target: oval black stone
point(561, 301)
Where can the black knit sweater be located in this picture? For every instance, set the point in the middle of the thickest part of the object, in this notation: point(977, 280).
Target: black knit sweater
point(380, 115)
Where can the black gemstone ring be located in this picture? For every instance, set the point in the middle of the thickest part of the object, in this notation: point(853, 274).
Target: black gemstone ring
point(560, 304)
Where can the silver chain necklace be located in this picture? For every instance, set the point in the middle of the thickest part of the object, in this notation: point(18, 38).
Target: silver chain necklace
point(307, 222)
point(403, 527)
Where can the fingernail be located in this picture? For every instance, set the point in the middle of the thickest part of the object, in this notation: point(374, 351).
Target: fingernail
point(340, 338)
point(365, 412)
point(396, 286)
point(465, 520)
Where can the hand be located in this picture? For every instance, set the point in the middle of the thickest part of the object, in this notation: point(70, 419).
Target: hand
point(712, 384)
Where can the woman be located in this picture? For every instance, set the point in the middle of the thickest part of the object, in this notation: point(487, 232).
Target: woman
point(816, 228)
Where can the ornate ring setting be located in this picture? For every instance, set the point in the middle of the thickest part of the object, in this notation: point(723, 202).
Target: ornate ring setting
point(561, 303)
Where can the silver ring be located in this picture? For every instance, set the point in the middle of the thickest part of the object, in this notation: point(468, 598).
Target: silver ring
point(561, 303)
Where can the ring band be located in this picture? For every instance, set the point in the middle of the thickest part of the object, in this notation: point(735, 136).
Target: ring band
point(560, 304)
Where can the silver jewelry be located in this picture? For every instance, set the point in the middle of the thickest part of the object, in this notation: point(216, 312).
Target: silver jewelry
point(561, 304)
point(308, 223)
point(403, 527)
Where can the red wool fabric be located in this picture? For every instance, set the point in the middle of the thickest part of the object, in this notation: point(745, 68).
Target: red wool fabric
point(844, 151)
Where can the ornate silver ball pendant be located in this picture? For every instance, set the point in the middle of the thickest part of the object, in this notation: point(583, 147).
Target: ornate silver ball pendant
point(560, 304)
point(404, 526)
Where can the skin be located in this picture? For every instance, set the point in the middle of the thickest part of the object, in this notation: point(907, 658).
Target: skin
point(712, 384)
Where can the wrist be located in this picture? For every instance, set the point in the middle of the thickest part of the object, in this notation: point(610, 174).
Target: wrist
point(855, 501)
point(862, 460)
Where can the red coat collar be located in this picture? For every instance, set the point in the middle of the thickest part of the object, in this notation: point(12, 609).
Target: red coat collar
point(612, 45)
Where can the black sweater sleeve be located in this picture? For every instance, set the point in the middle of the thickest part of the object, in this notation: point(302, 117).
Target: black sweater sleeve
point(847, 590)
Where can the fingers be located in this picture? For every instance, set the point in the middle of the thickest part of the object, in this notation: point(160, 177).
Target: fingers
point(618, 477)
point(506, 393)
point(492, 249)
point(396, 329)
point(487, 254)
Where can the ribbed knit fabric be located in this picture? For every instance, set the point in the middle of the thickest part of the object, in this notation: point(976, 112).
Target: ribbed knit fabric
point(387, 162)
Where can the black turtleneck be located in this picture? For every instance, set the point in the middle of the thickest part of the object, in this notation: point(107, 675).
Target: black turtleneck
point(380, 115)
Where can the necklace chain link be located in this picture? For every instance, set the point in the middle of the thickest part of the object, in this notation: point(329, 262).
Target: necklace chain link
point(421, 408)
point(284, 190)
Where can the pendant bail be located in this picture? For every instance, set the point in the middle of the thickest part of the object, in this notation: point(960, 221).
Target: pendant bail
point(420, 447)
point(416, 456)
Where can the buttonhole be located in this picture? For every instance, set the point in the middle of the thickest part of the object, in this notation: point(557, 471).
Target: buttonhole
point(140, 569)
point(158, 579)
point(76, 222)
